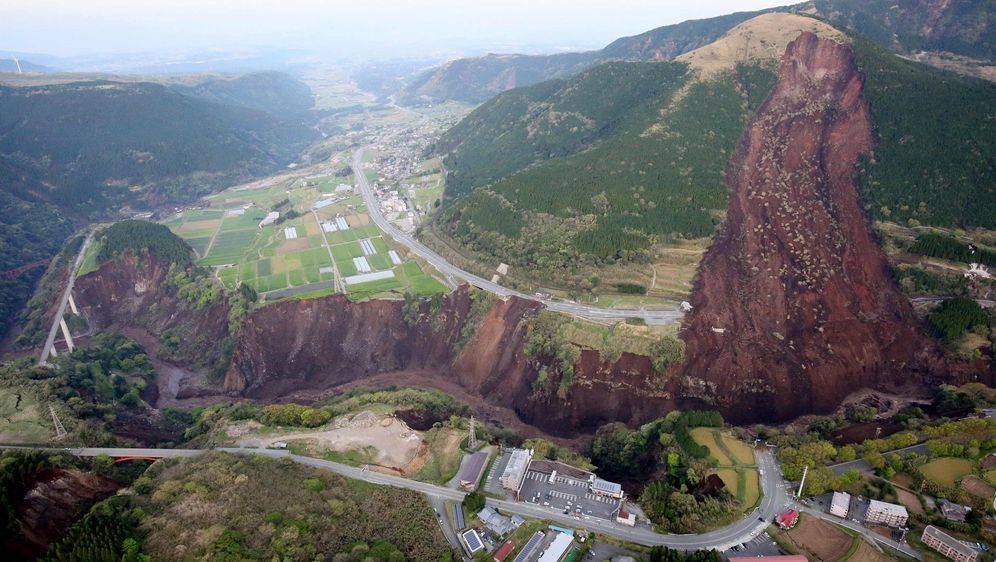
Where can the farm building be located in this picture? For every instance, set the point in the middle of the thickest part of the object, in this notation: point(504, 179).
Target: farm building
point(473, 468)
point(269, 219)
point(788, 519)
point(472, 540)
point(601, 487)
point(953, 511)
point(515, 470)
point(840, 504)
point(948, 545)
point(886, 514)
point(557, 549)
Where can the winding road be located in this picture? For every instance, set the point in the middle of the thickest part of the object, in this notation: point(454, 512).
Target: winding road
point(658, 317)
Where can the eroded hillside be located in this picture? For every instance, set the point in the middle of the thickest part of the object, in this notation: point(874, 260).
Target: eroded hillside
point(794, 298)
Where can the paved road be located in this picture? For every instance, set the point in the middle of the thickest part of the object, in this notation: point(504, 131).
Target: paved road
point(666, 316)
point(862, 465)
point(864, 531)
point(774, 501)
point(61, 312)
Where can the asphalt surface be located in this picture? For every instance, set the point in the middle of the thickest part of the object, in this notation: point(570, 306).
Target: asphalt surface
point(774, 500)
point(50, 341)
point(658, 317)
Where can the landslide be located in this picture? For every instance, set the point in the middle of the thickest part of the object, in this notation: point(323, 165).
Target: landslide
point(56, 498)
point(795, 298)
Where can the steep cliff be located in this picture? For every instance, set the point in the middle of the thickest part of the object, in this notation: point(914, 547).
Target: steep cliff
point(794, 304)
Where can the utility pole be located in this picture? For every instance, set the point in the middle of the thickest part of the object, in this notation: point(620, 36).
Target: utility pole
point(802, 482)
point(472, 440)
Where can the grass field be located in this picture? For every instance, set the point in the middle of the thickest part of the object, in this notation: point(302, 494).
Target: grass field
point(736, 464)
point(444, 455)
point(947, 471)
point(22, 418)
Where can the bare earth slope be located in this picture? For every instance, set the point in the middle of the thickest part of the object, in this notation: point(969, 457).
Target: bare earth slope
point(794, 304)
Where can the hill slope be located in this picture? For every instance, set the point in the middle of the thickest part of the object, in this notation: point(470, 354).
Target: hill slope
point(613, 193)
point(83, 150)
point(271, 92)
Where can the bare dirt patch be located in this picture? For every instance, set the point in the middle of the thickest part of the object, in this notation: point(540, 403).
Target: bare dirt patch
point(910, 500)
point(820, 539)
point(396, 444)
point(903, 479)
point(978, 487)
point(295, 245)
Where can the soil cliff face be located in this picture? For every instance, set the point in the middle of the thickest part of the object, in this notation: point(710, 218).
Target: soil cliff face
point(319, 344)
point(794, 304)
point(55, 501)
point(134, 292)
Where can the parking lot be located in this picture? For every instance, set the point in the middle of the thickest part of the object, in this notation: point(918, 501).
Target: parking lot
point(566, 494)
point(761, 545)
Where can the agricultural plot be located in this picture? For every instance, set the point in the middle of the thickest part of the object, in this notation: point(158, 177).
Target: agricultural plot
point(820, 540)
point(22, 418)
point(295, 251)
point(946, 471)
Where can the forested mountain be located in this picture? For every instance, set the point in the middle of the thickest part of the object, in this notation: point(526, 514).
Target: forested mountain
point(272, 92)
point(569, 185)
point(84, 150)
point(963, 28)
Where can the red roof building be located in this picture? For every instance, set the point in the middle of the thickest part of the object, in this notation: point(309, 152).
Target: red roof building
point(502, 553)
point(788, 519)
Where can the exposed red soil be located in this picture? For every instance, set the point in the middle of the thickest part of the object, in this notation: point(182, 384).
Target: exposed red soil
point(57, 498)
point(795, 306)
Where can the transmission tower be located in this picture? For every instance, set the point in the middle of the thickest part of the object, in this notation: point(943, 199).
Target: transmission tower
point(472, 440)
point(60, 430)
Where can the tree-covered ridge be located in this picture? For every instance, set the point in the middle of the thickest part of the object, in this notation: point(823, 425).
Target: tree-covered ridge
point(89, 142)
point(551, 119)
point(935, 151)
point(137, 237)
point(654, 175)
point(940, 246)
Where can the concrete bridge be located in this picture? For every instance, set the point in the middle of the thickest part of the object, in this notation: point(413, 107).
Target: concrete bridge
point(59, 322)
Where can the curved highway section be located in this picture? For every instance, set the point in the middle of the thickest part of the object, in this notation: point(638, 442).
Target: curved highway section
point(446, 268)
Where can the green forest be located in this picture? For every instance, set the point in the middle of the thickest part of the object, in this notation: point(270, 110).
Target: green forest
point(940, 246)
point(137, 237)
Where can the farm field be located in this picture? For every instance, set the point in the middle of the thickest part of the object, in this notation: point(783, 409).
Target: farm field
point(946, 471)
point(820, 540)
point(978, 487)
point(736, 464)
point(299, 254)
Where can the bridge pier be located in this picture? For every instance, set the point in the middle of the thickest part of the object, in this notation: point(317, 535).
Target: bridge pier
point(68, 336)
point(72, 305)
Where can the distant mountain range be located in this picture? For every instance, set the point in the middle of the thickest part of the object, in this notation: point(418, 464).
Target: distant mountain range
point(936, 30)
point(10, 65)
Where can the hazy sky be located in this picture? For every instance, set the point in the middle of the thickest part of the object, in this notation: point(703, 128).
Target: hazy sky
point(385, 27)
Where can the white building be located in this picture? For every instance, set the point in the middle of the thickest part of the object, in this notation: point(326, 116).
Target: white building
point(840, 504)
point(626, 518)
point(557, 549)
point(601, 487)
point(270, 218)
point(515, 470)
point(886, 514)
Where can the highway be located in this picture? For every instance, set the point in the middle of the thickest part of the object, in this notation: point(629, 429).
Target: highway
point(862, 465)
point(659, 317)
point(774, 500)
point(61, 312)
